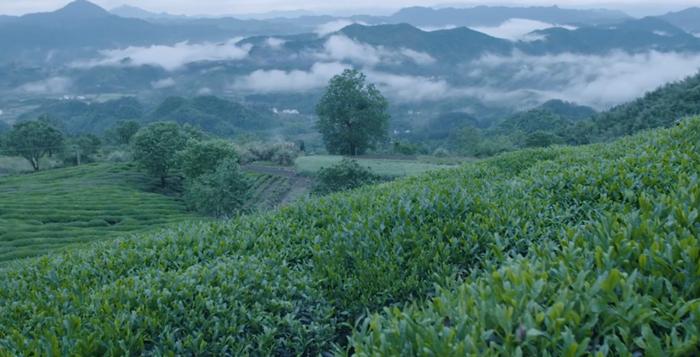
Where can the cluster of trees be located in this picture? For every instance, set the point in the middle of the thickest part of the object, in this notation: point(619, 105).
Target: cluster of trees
point(35, 140)
point(213, 182)
point(206, 170)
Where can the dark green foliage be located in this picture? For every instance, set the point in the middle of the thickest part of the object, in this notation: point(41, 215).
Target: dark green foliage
point(346, 175)
point(468, 140)
point(212, 114)
point(125, 130)
point(543, 252)
point(533, 120)
point(81, 149)
point(660, 108)
point(77, 116)
point(203, 157)
point(352, 115)
point(445, 125)
point(155, 148)
point(88, 144)
point(568, 110)
point(471, 141)
point(220, 193)
point(406, 148)
point(541, 139)
point(33, 140)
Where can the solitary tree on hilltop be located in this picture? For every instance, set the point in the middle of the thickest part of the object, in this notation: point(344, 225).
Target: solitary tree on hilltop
point(352, 115)
point(33, 140)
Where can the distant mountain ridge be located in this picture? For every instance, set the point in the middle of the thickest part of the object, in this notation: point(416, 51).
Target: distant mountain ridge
point(495, 15)
point(632, 36)
point(128, 11)
point(688, 19)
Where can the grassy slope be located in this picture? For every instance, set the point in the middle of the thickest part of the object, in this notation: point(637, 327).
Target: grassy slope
point(561, 250)
point(309, 165)
point(48, 210)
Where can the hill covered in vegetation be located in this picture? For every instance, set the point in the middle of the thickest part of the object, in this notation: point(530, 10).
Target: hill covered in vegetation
point(660, 108)
point(563, 251)
point(212, 114)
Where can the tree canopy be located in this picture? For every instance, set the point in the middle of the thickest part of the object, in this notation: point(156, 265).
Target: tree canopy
point(33, 140)
point(352, 114)
point(203, 157)
point(155, 148)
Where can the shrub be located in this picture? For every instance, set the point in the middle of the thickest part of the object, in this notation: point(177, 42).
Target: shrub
point(406, 148)
point(119, 156)
point(282, 153)
point(220, 193)
point(541, 139)
point(441, 152)
point(345, 175)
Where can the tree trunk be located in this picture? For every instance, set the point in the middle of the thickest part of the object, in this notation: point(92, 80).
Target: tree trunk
point(35, 163)
point(162, 181)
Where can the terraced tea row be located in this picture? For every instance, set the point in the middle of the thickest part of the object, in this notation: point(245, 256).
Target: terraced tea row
point(49, 210)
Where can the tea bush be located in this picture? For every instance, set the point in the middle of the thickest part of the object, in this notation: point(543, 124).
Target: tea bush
point(343, 176)
point(558, 251)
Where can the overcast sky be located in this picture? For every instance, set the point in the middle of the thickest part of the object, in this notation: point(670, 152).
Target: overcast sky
point(221, 7)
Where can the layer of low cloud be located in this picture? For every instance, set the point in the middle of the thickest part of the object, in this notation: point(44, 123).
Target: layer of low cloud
point(437, 28)
point(598, 81)
point(275, 43)
point(163, 83)
point(518, 29)
point(334, 26)
point(53, 85)
point(342, 48)
point(170, 57)
point(406, 88)
point(271, 81)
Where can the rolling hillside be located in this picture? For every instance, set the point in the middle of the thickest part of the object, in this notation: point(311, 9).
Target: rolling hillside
point(564, 251)
point(46, 211)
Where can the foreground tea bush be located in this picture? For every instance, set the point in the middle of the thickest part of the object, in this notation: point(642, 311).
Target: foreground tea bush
point(550, 251)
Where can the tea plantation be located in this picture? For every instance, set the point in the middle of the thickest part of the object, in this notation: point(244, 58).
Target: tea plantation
point(44, 211)
point(50, 210)
point(562, 251)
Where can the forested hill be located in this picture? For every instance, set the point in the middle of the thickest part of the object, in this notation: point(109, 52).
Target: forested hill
point(660, 108)
point(212, 114)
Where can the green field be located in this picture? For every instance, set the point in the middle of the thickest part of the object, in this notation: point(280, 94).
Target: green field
point(44, 211)
point(551, 252)
point(309, 165)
